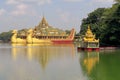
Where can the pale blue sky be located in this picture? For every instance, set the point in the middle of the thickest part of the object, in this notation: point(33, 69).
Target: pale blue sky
point(63, 14)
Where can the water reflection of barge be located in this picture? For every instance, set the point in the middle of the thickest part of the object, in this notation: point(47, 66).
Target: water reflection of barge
point(43, 53)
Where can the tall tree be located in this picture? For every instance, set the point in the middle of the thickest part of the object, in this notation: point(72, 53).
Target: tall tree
point(94, 19)
point(112, 22)
point(105, 23)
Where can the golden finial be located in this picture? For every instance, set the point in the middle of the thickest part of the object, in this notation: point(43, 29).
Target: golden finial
point(88, 27)
point(44, 21)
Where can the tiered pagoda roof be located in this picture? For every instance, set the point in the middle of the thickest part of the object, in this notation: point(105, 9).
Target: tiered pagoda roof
point(89, 36)
point(45, 28)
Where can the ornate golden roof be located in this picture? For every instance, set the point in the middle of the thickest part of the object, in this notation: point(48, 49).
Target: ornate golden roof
point(45, 28)
point(89, 33)
point(89, 37)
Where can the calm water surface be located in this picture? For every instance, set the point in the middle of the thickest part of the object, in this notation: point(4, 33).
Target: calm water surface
point(57, 62)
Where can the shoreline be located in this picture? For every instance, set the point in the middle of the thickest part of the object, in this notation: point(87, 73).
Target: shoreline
point(109, 48)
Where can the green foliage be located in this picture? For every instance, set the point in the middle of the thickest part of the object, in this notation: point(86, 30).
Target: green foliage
point(105, 23)
point(5, 36)
point(94, 19)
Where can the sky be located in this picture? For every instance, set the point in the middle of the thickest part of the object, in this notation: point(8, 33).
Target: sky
point(62, 14)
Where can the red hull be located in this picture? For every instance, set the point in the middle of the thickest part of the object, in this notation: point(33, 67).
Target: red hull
point(88, 49)
point(68, 40)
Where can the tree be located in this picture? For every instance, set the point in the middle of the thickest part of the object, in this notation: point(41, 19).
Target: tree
point(5, 36)
point(112, 22)
point(94, 19)
point(105, 23)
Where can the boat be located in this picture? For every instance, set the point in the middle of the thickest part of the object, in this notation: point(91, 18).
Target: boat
point(43, 33)
point(89, 42)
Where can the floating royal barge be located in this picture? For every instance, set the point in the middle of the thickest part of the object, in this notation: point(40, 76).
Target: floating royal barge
point(88, 41)
point(42, 33)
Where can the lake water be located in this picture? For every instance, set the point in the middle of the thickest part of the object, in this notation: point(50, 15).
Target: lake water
point(57, 62)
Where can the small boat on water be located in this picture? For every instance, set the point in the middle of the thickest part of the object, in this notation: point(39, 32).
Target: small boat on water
point(43, 33)
point(89, 42)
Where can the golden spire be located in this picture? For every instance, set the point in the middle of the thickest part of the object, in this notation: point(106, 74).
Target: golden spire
point(43, 22)
point(89, 33)
point(89, 30)
point(89, 27)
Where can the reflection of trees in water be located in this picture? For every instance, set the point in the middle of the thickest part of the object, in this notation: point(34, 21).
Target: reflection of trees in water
point(88, 61)
point(107, 69)
point(43, 53)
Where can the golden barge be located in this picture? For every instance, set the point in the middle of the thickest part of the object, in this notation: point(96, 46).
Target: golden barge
point(42, 33)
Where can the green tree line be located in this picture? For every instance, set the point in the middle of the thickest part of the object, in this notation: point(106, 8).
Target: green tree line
point(105, 23)
point(5, 36)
